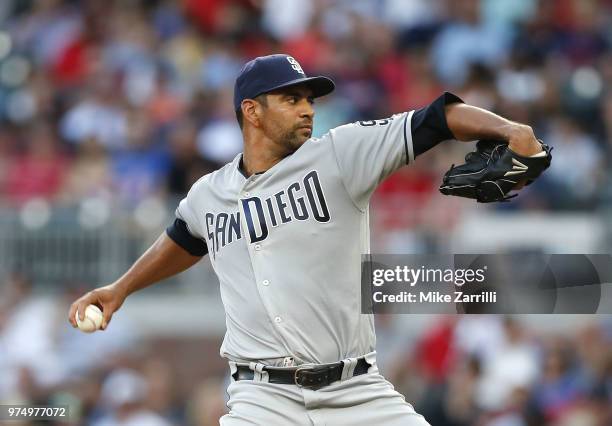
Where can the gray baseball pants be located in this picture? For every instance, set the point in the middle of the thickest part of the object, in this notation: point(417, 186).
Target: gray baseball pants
point(367, 400)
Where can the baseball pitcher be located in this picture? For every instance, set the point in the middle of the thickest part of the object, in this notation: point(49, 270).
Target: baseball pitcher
point(285, 225)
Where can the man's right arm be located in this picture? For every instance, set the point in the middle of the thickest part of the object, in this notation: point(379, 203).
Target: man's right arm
point(168, 256)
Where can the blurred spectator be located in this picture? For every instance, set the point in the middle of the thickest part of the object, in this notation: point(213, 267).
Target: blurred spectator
point(577, 169)
point(287, 18)
point(479, 336)
point(161, 390)
point(139, 170)
point(436, 353)
point(27, 331)
point(560, 386)
point(220, 139)
point(207, 404)
point(124, 393)
point(165, 104)
point(460, 402)
point(89, 175)
point(38, 169)
point(512, 367)
point(97, 117)
point(47, 29)
point(220, 68)
point(186, 163)
point(466, 40)
point(521, 82)
point(508, 12)
point(406, 14)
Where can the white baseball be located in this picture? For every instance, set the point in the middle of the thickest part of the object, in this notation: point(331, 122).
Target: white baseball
point(93, 319)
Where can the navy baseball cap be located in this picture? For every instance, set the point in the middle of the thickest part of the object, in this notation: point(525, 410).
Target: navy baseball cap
point(267, 73)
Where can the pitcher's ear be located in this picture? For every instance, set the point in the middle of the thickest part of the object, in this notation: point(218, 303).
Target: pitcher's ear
point(252, 112)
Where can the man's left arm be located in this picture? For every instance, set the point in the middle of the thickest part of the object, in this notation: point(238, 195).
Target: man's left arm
point(468, 123)
point(449, 118)
point(507, 157)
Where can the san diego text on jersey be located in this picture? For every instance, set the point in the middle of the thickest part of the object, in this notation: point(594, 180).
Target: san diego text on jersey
point(300, 200)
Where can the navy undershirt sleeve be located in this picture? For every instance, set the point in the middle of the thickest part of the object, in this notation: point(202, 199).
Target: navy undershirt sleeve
point(429, 126)
point(179, 233)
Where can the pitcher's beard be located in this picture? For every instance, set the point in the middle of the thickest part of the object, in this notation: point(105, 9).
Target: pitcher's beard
point(292, 140)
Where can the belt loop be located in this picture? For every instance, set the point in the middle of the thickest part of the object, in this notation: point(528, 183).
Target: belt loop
point(371, 359)
point(233, 369)
point(259, 373)
point(348, 368)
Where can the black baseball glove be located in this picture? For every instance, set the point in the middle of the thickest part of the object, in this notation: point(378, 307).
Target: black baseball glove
point(492, 171)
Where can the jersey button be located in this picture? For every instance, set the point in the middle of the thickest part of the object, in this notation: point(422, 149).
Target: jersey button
point(277, 319)
point(246, 194)
point(265, 282)
point(257, 247)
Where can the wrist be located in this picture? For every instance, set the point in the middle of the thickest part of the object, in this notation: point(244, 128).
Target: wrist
point(121, 288)
point(522, 140)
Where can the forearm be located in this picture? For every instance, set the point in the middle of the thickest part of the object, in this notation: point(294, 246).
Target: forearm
point(163, 259)
point(468, 123)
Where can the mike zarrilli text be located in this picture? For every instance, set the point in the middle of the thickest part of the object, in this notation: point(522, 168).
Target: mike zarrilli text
point(435, 297)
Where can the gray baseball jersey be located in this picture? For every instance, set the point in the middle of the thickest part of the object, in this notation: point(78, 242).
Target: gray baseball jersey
point(286, 244)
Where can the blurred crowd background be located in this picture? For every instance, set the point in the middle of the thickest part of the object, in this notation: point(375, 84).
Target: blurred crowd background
point(111, 109)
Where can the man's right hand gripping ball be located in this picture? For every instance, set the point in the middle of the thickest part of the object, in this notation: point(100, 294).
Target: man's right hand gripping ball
point(492, 171)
